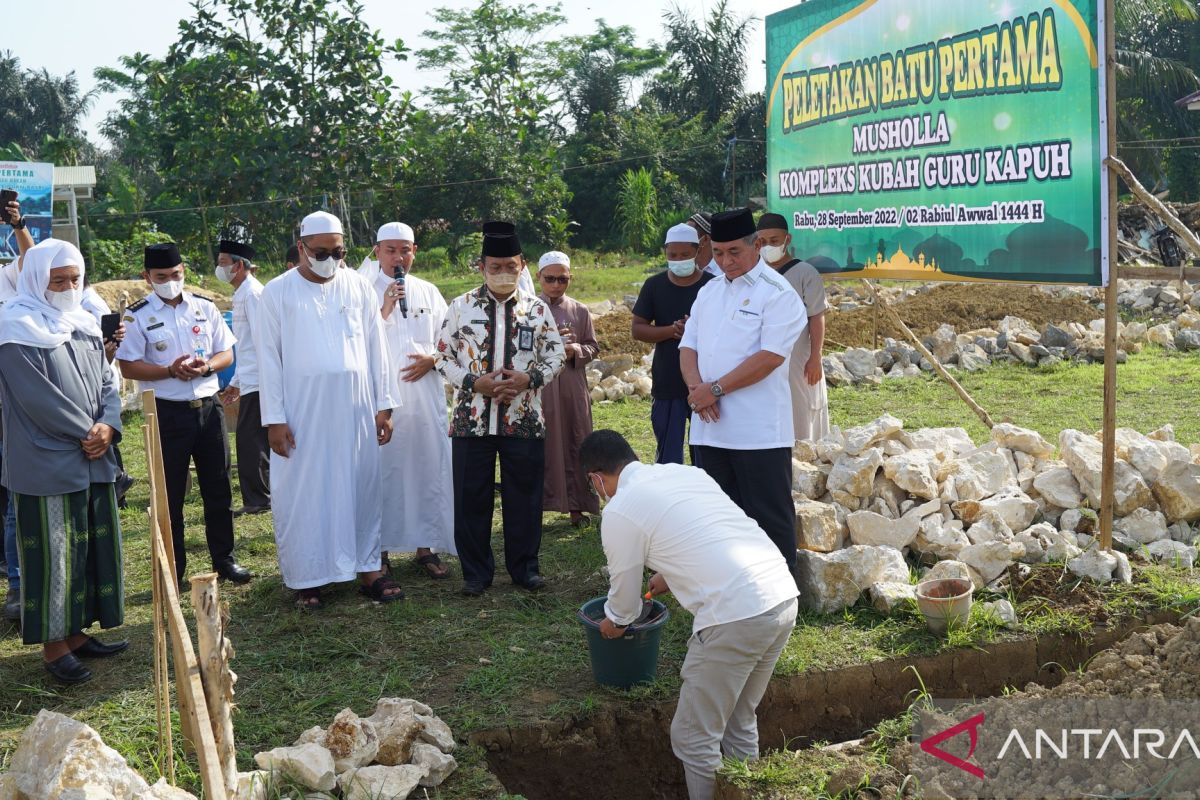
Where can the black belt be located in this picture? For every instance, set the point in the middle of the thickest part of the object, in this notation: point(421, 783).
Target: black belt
point(193, 404)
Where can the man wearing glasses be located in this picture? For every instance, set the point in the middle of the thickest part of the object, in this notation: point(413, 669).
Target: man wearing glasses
point(566, 401)
point(499, 348)
point(326, 396)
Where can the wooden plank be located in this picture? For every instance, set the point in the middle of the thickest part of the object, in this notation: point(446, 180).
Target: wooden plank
point(155, 470)
point(218, 678)
point(1109, 433)
point(162, 681)
point(1189, 238)
point(1158, 273)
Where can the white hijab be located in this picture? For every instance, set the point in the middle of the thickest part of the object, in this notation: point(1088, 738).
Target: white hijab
point(27, 318)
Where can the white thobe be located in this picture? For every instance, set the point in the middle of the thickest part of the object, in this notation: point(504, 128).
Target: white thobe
point(418, 485)
point(323, 372)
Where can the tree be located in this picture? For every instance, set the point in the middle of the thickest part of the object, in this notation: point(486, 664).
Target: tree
point(41, 113)
point(637, 210)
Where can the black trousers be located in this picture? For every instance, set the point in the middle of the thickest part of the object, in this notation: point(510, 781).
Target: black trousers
point(196, 432)
point(522, 470)
point(760, 482)
point(253, 454)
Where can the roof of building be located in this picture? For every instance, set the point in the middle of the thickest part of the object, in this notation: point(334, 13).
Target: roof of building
point(69, 177)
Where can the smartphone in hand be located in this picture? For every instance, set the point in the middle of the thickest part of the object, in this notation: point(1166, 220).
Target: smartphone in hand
point(6, 197)
point(108, 326)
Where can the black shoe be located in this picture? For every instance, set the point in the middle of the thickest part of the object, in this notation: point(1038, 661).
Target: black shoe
point(534, 583)
point(94, 648)
point(12, 604)
point(68, 670)
point(251, 510)
point(124, 482)
point(474, 588)
point(234, 572)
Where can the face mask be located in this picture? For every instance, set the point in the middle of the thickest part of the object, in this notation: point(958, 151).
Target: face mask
point(599, 491)
point(772, 253)
point(65, 301)
point(225, 273)
point(169, 290)
point(503, 283)
point(325, 267)
point(682, 268)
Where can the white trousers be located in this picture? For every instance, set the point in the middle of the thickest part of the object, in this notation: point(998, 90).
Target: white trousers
point(725, 675)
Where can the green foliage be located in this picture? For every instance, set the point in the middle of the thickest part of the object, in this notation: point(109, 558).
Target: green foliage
point(40, 114)
point(637, 210)
point(119, 259)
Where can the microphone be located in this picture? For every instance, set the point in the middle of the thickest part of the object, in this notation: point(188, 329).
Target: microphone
point(403, 299)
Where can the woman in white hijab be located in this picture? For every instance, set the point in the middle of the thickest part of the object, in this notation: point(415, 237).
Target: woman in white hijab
point(61, 416)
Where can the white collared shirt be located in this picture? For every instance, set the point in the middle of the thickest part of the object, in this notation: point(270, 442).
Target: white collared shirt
point(158, 334)
point(675, 520)
point(731, 321)
point(246, 299)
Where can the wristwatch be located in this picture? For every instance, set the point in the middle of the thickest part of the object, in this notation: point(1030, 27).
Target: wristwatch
point(716, 389)
point(208, 370)
point(19, 225)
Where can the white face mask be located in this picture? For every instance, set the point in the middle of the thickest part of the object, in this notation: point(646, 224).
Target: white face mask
point(772, 253)
point(169, 290)
point(225, 273)
point(65, 301)
point(325, 268)
point(682, 269)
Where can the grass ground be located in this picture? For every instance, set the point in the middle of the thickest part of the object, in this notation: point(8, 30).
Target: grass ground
point(511, 657)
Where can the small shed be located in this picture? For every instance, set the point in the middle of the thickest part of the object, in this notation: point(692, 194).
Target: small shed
point(71, 185)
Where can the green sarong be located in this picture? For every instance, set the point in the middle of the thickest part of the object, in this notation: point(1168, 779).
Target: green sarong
point(71, 570)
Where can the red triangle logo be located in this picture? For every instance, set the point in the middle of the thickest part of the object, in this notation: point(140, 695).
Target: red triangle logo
point(971, 727)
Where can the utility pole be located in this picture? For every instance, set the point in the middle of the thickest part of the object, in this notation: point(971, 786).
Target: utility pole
point(733, 174)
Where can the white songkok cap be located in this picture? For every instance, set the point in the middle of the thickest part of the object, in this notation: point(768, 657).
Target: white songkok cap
point(554, 257)
point(397, 231)
point(682, 233)
point(320, 222)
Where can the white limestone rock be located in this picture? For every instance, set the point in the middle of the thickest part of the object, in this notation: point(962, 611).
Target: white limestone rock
point(887, 596)
point(1083, 455)
point(381, 783)
point(353, 742)
point(808, 479)
point(833, 581)
point(855, 475)
point(314, 735)
point(1170, 552)
point(1003, 610)
point(1177, 491)
point(254, 785)
point(1143, 526)
point(939, 538)
point(58, 757)
point(987, 561)
point(309, 765)
point(1101, 566)
point(947, 443)
point(869, 528)
point(1021, 439)
point(818, 527)
point(914, 471)
point(989, 527)
point(892, 495)
point(950, 569)
point(438, 765)
point(434, 731)
point(860, 438)
point(1060, 546)
point(831, 445)
point(1059, 487)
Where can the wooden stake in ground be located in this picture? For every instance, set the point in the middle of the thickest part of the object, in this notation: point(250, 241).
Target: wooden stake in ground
point(162, 681)
point(1109, 435)
point(155, 469)
point(1190, 240)
point(924, 351)
point(215, 653)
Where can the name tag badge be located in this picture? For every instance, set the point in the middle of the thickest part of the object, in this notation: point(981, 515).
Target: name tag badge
point(155, 325)
point(524, 337)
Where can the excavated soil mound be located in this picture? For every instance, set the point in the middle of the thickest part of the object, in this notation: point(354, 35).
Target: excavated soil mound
point(122, 293)
point(612, 333)
point(963, 306)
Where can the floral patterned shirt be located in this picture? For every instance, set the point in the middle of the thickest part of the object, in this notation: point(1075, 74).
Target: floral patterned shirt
point(481, 335)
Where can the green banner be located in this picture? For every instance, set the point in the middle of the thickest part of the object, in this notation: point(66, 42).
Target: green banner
point(941, 140)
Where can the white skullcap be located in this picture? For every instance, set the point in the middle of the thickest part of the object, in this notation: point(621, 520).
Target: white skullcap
point(554, 257)
point(682, 233)
point(320, 222)
point(395, 230)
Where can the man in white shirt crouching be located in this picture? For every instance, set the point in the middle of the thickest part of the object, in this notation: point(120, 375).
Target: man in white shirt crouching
point(721, 567)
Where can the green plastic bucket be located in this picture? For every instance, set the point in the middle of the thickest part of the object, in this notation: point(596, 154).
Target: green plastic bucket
point(630, 660)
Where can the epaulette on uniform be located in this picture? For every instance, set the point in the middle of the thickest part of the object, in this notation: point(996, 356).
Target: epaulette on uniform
point(139, 305)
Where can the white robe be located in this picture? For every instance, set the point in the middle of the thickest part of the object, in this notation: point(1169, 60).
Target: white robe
point(418, 485)
point(323, 371)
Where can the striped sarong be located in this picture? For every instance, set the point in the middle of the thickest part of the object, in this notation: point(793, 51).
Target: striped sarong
point(71, 568)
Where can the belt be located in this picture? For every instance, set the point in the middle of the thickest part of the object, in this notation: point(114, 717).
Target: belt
point(201, 403)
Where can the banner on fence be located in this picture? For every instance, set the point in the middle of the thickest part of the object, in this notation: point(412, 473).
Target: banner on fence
point(941, 140)
point(34, 185)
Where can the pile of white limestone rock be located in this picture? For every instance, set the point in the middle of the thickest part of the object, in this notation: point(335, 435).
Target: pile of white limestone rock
point(868, 496)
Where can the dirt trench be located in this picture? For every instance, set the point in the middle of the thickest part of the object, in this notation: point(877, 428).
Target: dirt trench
point(625, 753)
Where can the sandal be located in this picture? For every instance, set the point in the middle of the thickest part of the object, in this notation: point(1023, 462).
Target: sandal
point(385, 565)
point(378, 589)
point(309, 599)
point(432, 560)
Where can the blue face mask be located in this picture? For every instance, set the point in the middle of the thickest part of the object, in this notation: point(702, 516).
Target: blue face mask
point(682, 269)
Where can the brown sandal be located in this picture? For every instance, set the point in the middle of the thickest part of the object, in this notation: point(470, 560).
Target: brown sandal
point(432, 560)
point(378, 589)
point(309, 599)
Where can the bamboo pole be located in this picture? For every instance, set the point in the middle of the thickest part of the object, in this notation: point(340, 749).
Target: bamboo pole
point(162, 681)
point(937, 366)
point(1109, 435)
point(218, 678)
point(1190, 240)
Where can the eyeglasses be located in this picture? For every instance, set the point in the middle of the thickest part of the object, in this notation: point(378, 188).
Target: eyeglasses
point(563, 279)
point(320, 255)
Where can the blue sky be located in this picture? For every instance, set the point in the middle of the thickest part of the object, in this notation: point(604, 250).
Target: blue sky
point(81, 35)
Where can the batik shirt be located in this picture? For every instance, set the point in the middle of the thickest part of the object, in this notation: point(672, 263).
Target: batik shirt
point(481, 335)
